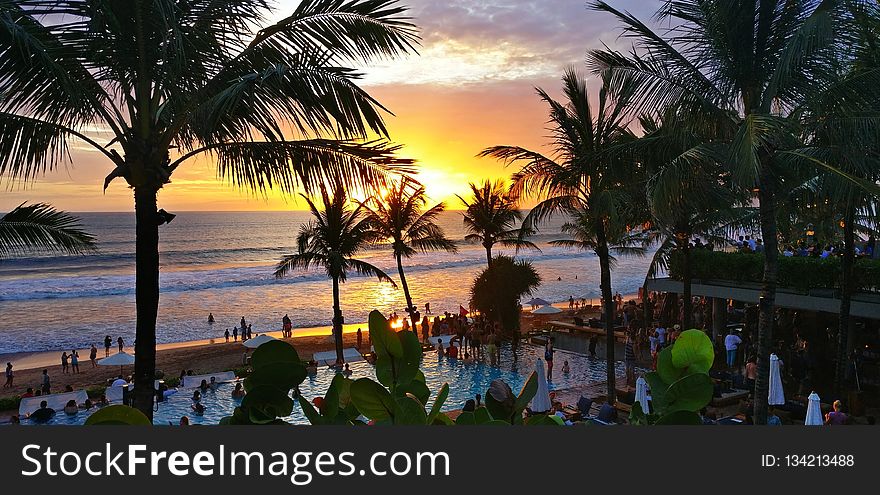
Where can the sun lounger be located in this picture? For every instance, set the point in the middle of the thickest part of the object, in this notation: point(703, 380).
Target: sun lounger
point(194, 381)
point(349, 354)
point(55, 401)
point(114, 394)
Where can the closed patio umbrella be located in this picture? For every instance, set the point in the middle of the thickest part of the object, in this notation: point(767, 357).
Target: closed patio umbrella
point(547, 310)
point(258, 341)
point(777, 396)
point(541, 402)
point(814, 411)
point(642, 394)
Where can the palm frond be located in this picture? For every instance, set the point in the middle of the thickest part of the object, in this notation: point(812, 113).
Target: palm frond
point(40, 228)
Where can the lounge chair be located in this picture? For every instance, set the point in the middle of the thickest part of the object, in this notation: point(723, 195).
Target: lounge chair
point(54, 401)
point(193, 381)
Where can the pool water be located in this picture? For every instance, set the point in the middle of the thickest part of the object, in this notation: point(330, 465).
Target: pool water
point(465, 381)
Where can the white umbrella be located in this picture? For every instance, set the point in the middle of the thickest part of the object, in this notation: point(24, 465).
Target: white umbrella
point(541, 402)
point(642, 393)
point(777, 396)
point(814, 411)
point(258, 341)
point(547, 310)
point(537, 302)
point(119, 359)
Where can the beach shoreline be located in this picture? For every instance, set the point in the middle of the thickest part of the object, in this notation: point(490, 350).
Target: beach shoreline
point(23, 361)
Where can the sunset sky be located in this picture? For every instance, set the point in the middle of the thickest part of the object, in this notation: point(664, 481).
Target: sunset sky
point(472, 86)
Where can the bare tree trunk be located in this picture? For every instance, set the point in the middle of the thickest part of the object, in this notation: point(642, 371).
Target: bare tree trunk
point(607, 310)
point(337, 320)
point(767, 210)
point(687, 308)
point(846, 290)
point(409, 305)
point(146, 297)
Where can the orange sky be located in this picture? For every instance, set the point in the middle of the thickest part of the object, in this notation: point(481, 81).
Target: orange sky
point(472, 86)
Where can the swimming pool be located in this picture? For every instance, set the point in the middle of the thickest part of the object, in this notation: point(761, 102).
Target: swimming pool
point(465, 381)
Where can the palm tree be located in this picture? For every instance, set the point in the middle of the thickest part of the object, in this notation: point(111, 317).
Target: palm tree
point(601, 192)
point(490, 218)
point(41, 228)
point(330, 241)
point(689, 192)
point(398, 217)
point(171, 81)
point(752, 65)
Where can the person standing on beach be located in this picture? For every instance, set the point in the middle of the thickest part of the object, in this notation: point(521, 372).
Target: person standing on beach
point(64, 361)
point(226, 335)
point(427, 308)
point(235, 334)
point(120, 343)
point(93, 355)
point(9, 376)
point(243, 325)
point(287, 327)
point(250, 332)
point(360, 338)
point(107, 343)
point(46, 384)
point(74, 361)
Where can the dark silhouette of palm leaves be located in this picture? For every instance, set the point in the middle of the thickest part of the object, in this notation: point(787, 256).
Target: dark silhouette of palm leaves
point(332, 238)
point(491, 217)
point(41, 228)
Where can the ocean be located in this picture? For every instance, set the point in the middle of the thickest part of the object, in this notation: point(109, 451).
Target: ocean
point(223, 263)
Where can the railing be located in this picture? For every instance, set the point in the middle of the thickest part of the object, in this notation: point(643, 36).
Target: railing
point(797, 272)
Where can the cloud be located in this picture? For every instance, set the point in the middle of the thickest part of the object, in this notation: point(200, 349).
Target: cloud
point(471, 41)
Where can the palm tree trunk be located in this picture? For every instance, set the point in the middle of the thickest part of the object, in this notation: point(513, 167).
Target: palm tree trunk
point(488, 254)
point(687, 300)
point(146, 297)
point(767, 211)
point(409, 305)
point(607, 309)
point(337, 320)
point(844, 322)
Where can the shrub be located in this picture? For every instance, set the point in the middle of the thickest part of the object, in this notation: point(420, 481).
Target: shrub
point(797, 272)
point(497, 290)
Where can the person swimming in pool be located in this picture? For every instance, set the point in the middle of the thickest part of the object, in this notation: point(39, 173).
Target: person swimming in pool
point(198, 408)
point(238, 392)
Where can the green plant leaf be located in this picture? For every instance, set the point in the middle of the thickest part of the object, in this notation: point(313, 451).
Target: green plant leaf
point(666, 367)
point(409, 411)
point(544, 420)
point(372, 400)
point(417, 388)
point(281, 375)
point(527, 393)
point(679, 418)
point(384, 340)
point(690, 393)
point(310, 412)
point(265, 403)
point(482, 416)
point(658, 390)
point(275, 351)
point(500, 400)
point(693, 352)
point(466, 418)
point(438, 403)
point(118, 415)
point(442, 420)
